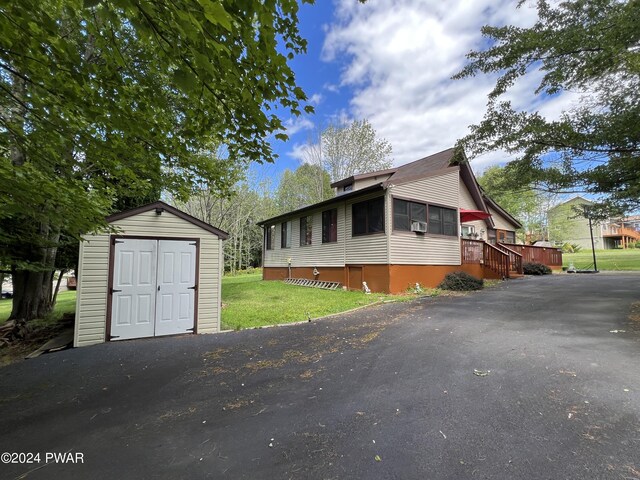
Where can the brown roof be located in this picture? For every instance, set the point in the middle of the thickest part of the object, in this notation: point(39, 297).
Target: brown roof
point(324, 203)
point(423, 168)
point(360, 176)
point(435, 164)
point(172, 210)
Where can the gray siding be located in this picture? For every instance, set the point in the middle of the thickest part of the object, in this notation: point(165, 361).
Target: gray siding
point(91, 303)
point(366, 248)
point(317, 254)
point(409, 248)
point(347, 250)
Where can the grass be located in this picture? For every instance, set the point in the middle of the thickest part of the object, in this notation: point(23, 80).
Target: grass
point(249, 302)
point(66, 304)
point(607, 259)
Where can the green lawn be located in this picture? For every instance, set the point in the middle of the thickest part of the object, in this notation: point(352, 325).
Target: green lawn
point(250, 302)
point(606, 259)
point(66, 304)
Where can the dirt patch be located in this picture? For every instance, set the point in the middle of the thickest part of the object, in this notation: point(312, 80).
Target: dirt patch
point(634, 315)
point(38, 334)
point(216, 354)
point(310, 350)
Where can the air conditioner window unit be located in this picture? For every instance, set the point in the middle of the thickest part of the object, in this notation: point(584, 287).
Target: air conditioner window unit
point(419, 227)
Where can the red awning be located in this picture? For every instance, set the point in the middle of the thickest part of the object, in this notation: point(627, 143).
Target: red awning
point(471, 215)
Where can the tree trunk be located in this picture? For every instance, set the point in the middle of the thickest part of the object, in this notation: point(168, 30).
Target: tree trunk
point(31, 294)
point(57, 289)
point(32, 289)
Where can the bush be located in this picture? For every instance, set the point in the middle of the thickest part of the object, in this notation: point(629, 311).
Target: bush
point(536, 269)
point(461, 281)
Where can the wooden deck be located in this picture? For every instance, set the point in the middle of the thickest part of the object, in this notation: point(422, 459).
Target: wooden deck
point(507, 259)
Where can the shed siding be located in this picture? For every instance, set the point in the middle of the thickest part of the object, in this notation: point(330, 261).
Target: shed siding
point(93, 285)
point(408, 248)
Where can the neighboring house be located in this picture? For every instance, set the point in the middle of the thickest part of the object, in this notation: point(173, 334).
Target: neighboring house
point(566, 225)
point(394, 228)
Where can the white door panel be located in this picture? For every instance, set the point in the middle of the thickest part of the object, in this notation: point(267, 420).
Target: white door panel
point(153, 288)
point(134, 289)
point(176, 287)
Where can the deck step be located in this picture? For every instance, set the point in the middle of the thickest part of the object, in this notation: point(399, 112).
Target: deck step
point(304, 282)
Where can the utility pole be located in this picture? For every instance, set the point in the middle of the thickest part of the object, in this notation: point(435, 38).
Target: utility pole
point(593, 248)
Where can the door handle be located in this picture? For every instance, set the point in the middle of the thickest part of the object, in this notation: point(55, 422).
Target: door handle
point(158, 287)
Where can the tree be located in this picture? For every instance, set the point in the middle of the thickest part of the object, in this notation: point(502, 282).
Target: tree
point(586, 46)
point(306, 185)
point(526, 204)
point(103, 100)
point(345, 149)
point(238, 214)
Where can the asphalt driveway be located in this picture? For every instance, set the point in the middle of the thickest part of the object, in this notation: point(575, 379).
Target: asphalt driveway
point(385, 393)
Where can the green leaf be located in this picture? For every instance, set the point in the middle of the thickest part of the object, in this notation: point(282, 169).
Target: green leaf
point(90, 3)
point(216, 14)
point(186, 81)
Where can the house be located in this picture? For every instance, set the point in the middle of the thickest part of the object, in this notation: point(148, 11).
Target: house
point(157, 271)
point(395, 228)
point(567, 225)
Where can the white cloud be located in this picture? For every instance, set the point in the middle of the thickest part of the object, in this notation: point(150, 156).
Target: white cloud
point(315, 99)
point(297, 151)
point(297, 124)
point(398, 57)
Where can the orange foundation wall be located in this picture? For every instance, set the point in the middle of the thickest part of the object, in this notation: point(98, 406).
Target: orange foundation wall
point(327, 274)
point(381, 278)
point(404, 277)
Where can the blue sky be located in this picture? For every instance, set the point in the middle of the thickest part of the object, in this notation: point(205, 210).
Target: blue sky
point(390, 62)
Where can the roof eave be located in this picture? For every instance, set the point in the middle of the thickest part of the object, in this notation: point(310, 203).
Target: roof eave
point(340, 198)
point(173, 210)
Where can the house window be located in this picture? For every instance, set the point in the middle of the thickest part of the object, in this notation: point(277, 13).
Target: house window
point(285, 235)
point(269, 233)
point(368, 217)
point(348, 187)
point(330, 226)
point(442, 221)
point(510, 237)
point(405, 212)
point(469, 231)
point(306, 225)
point(491, 236)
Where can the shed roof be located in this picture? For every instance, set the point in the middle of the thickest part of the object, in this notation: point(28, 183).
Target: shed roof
point(174, 211)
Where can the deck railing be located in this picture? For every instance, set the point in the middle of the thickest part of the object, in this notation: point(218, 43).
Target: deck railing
point(615, 231)
point(496, 260)
point(471, 251)
point(515, 258)
point(551, 257)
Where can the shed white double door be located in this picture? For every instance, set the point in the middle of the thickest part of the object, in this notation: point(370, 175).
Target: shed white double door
point(153, 290)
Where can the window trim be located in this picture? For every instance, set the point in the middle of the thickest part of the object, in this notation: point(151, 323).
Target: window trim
point(456, 222)
point(384, 223)
point(428, 204)
point(393, 211)
point(335, 209)
point(269, 237)
point(308, 223)
point(286, 233)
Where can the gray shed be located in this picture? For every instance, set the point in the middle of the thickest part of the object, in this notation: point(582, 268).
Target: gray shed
point(159, 274)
